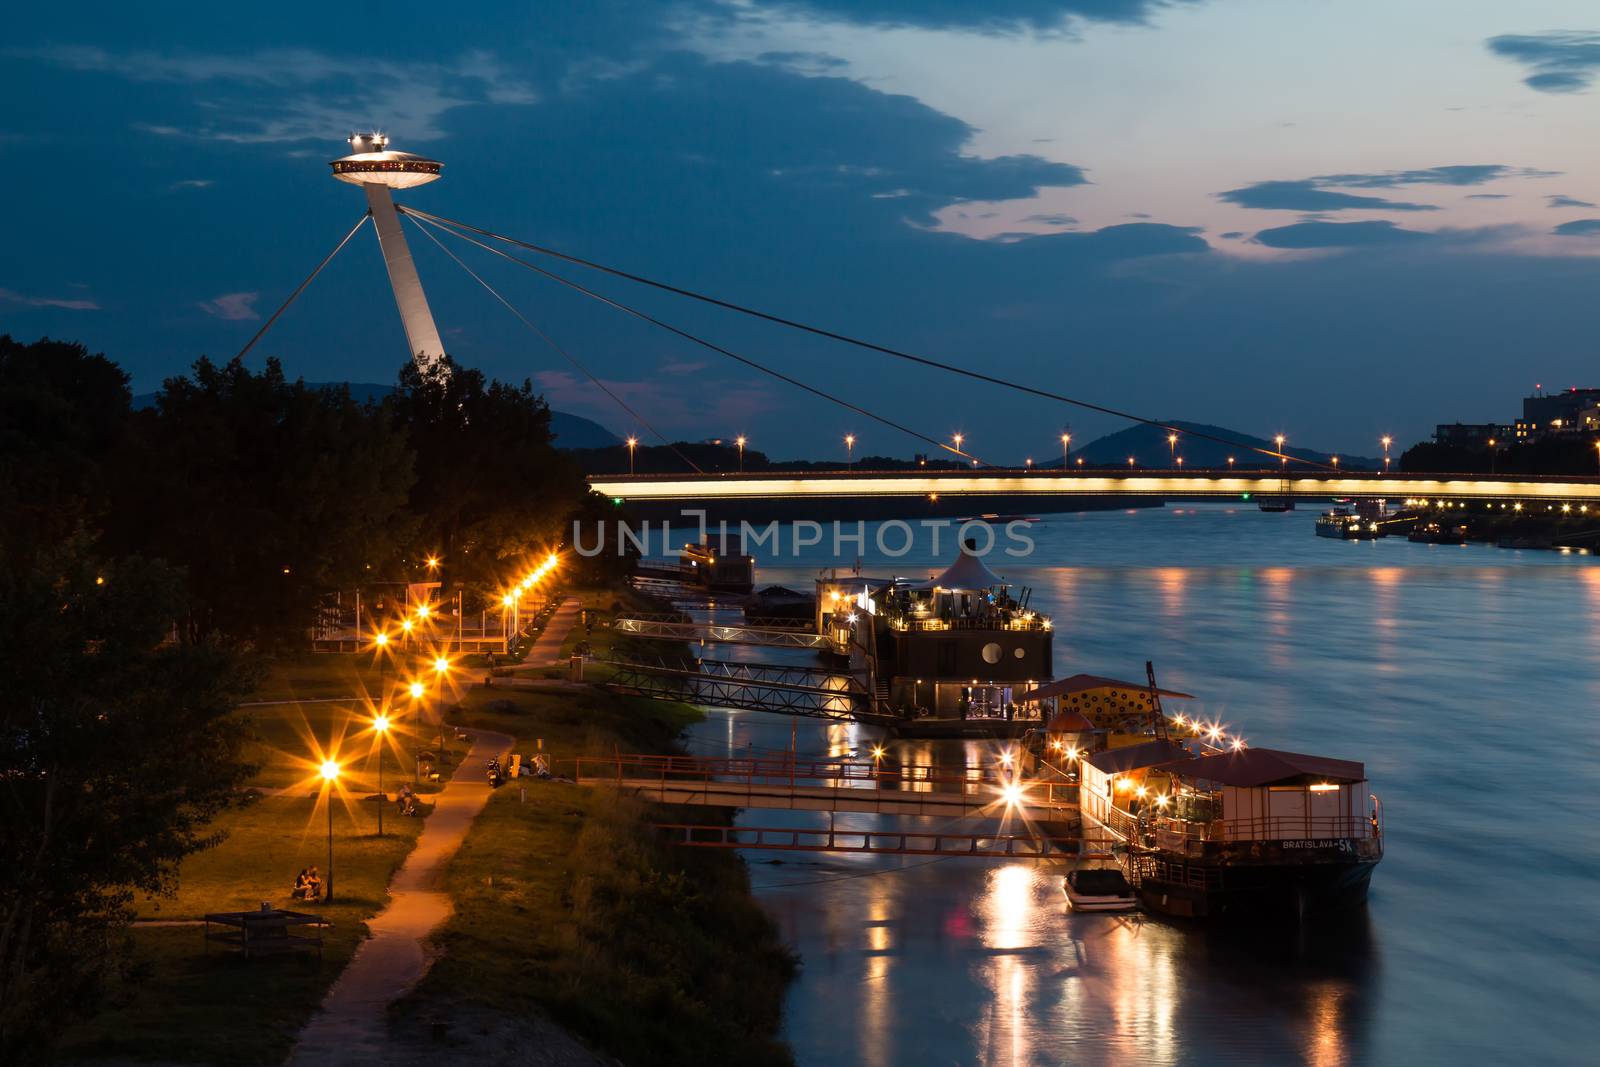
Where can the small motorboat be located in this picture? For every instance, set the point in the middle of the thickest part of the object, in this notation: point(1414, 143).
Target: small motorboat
point(1098, 889)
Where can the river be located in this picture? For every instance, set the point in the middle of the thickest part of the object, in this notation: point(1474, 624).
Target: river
point(1466, 678)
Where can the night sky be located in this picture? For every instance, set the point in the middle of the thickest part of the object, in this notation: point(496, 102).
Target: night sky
point(1330, 220)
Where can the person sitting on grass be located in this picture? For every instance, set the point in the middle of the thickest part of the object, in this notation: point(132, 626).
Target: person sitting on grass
point(313, 884)
point(302, 885)
point(406, 799)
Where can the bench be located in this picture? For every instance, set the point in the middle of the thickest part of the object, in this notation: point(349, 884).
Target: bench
point(266, 931)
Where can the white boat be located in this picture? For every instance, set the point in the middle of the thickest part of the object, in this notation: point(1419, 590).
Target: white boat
point(1098, 889)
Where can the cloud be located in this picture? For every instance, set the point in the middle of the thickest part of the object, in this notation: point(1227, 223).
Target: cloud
point(295, 94)
point(1052, 220)
point(991, 16)
point(678, 408)
point(1566, 201)
point(682, 367)
point(11, 296)
point(1308, 195)
point(191, 183)
point(1231, 235)
point(1487, 196)
point(804, 62)
point(234, 307)
point(1578, 228)
point(1561, 61)
point(1319, 193)
point(1338, 235)
point(1460, 174)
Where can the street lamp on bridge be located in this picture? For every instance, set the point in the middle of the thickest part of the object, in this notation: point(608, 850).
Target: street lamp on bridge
point(1284, 459)
point(1172, 448)
point(633, 442)
point(1066, 449)
point(850, 450)
point(740, 442)
point(1387, 441)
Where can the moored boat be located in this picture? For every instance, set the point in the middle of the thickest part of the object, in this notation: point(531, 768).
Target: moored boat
point(1098, 889)
point(1345, 525)
point(1244, 833)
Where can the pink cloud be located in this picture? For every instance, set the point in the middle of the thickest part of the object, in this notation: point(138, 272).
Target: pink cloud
point(11, 296)
point(234, 307)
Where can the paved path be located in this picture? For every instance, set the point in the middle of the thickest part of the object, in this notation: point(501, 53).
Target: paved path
point(351, 1029)
point(546, 651)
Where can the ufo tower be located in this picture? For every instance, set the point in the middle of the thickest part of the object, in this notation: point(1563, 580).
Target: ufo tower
point(376, 169)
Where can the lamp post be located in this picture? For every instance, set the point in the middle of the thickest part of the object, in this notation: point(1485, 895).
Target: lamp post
point(441, 667)
point(740, 442)
point(1492, 457)
point(330, 774)
point(850, 451)
point(1281, 457)
point(1230, 463)
point(1386, 441)
point(958, 439)
point(380, 726)
point(1066, 449)
point(633, 442)
point(1597, 453)
point(417, 691)
point(1172, 448)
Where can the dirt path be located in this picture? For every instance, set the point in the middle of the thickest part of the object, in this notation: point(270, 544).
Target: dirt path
point(351, 1029)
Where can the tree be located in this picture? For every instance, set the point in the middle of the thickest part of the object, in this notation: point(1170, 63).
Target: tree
point(116, 746)
point(491, 492)
point(63, 431)
point(269, 493)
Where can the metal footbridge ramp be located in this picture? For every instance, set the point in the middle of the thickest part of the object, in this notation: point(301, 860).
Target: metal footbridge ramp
point(674, 628)
point(875, 842)
point(832, 786)
point(806, 691)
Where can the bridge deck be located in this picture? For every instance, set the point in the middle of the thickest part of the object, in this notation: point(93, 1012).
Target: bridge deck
point(831, 786)
point(1171, 485)
point(876, 842)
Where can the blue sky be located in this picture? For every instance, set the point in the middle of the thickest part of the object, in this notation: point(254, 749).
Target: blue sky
point(1333, 220)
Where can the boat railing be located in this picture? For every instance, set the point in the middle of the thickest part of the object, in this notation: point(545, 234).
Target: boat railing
point(1178, 833)
point(917, 624)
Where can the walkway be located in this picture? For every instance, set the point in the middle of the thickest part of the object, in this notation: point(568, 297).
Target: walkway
point(351, 1030)
point(546, 650)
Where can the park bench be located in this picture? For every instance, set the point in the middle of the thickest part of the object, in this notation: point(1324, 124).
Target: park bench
point(265, 931)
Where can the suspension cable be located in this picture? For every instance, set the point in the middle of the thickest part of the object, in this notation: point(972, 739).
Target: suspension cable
point(636, 313)
point(860, 343)
point(558, 349)
point(265, 326)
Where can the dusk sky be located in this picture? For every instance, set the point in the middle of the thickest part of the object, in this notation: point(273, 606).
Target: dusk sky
point(1330, 219)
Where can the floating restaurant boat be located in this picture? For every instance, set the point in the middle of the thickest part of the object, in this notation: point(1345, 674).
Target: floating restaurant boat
point(1433, 533)
point(1346, 525)
point(1204, 831)
point(949, 656)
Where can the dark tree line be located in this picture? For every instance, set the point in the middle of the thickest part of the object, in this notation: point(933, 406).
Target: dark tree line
point(147, 556)
point(1551, 454)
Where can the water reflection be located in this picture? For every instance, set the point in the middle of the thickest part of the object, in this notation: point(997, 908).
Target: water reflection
point(1461, 678)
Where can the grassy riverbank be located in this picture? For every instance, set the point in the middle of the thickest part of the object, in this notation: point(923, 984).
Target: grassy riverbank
point(178, 1003)
point(569, 904)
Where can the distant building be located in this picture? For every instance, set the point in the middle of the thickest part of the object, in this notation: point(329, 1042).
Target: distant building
point(1470, 434)
point(1556, 412)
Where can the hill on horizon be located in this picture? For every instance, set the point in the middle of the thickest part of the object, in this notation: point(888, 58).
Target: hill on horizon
point(570, 431)
point(1148, 446)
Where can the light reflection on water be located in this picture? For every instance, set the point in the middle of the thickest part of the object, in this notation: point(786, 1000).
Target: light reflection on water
point(1464, 677)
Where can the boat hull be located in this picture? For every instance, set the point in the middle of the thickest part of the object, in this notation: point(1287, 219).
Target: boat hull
point(1258, 891)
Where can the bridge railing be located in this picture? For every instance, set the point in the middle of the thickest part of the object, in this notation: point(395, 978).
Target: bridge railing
point(993, 783)
point(888, 842)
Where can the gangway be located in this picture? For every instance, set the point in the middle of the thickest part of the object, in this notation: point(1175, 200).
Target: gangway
point(878, 788)
point(771, 636)
point(875, 842)
point(693, 687)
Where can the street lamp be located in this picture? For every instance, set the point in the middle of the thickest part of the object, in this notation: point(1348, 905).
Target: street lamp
point(330, 774)
point(380, 726)
point(1386, 441)
point(1230, 463)
point(1283, 458)
point(417, 691)
point(1492, 456)
point(958, 439)
point(850, 450)
point(740, 442)
point(633, 442)
point(1172, 448)
point(441, 667)
point(1066, 446)
point(1130, 461)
